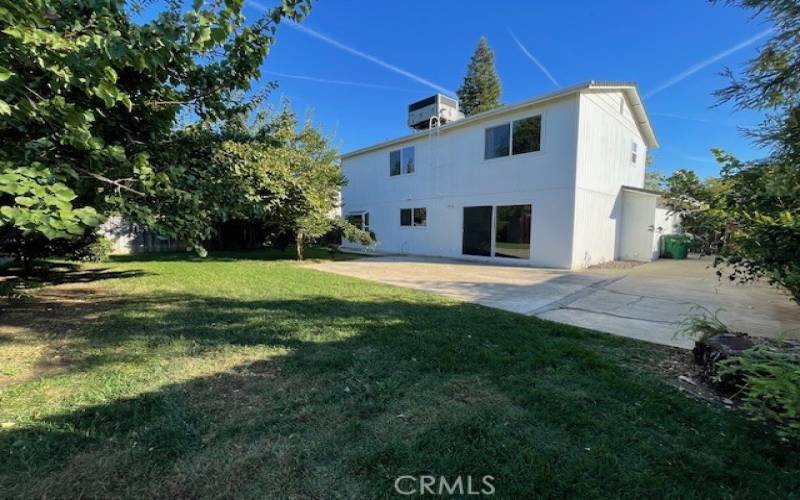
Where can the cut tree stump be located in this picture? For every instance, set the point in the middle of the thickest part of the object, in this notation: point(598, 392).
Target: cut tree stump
point(710, 352)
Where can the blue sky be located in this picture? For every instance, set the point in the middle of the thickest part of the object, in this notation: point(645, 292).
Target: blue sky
point(357, 64)
point(429, 44)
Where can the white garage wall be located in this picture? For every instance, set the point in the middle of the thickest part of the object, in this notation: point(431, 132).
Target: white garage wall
point(637, 236)
point(451, 173)
point(665, 223)
point(606, 131)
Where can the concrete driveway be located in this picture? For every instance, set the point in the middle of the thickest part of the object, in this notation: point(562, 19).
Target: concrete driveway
point(644, 301)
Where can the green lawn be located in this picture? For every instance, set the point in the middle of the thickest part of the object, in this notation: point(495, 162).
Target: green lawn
point(251, 377)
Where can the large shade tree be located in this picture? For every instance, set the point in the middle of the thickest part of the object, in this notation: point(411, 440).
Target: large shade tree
point(89, 101)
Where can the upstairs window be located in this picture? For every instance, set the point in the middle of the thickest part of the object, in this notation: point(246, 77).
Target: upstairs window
point(416, 217)
point(401, 161)
point(634, 152)
point(527, 135)
point(517, 137)
point(497, 141)
point(394, 162)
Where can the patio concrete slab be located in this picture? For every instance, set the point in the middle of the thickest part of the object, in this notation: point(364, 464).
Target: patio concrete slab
point(644, 301)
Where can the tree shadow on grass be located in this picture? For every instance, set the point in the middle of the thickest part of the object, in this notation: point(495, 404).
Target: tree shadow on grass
point(359, 392)
point(262, 254)
point(64, 273)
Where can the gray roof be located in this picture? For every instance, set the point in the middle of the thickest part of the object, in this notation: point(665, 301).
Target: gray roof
point(630, 90)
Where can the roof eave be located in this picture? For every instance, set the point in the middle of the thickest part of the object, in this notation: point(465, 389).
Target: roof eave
point(629, 88)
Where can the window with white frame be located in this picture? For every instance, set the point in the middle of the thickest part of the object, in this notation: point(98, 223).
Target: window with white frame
point(414, 217)
point(401, 161)
point(634, 152)
point(359, 219)
point(517, 137)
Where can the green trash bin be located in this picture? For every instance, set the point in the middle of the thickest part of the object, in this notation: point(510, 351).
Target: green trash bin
point(675, 246)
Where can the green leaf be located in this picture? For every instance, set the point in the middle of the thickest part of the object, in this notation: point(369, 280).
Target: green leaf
point(74, 229)
point(88, 216)
point(13, 32)
point(5, 74)
point(7, 212)
point(62, 192)
point(25, 201)
point(5, 109)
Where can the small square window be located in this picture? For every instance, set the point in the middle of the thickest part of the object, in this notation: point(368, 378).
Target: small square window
point(420, 217)
point(496, 141)
point(394, 163)
point(527, 135)
point(405, 216)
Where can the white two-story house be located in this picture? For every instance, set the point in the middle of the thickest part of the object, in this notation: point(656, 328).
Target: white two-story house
point(554, 181)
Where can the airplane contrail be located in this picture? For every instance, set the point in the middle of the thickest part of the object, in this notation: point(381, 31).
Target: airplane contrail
point(707, 62)
point(338, 82)
point(535, 61)
point(363, 55)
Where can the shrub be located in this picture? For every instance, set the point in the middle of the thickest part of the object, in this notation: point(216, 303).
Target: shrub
point(10, 290)
point(96, 250)
point(771, 392)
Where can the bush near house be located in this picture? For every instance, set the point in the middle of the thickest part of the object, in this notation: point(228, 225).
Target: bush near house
point(771, 384)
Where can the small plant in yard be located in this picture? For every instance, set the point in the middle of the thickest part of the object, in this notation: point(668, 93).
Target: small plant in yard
point(771, 391)
point(701, 324)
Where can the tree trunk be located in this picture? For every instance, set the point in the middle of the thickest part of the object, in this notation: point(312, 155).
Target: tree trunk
point(27, 265)
point(298, 246)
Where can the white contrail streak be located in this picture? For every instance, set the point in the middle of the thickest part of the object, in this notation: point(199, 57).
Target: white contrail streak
point(363, 55)
point(708, 62)
point(535, 61)
point(338, 82)
point(346, 48)
point(685, 118)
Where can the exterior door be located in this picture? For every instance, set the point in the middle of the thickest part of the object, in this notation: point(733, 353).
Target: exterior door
point(477, 232)
point(512, 238)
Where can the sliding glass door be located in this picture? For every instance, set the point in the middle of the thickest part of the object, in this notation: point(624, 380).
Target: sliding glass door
point(477, 239)
point(499, 231)
point(512, 234)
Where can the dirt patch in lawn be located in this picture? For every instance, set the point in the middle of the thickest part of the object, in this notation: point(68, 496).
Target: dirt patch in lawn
point(36, 331)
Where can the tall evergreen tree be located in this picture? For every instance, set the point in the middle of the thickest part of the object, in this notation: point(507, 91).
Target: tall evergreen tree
point(481, 88)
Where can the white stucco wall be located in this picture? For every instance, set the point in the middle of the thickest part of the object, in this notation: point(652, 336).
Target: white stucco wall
point(451, 173)
point(606, 131)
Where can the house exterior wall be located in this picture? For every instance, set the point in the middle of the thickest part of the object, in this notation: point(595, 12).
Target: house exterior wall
point(606, 132)
point(451, 173)
point(638, 238)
